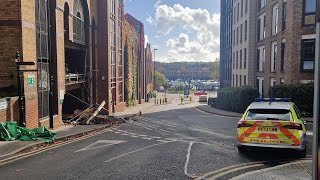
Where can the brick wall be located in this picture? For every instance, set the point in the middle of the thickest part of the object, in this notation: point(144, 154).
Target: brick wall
point(12, 113)
point(10, 42)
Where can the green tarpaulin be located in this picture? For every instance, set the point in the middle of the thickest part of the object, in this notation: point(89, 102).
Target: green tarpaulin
point(9, 131)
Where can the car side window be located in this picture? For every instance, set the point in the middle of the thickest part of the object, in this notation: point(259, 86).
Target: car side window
point(297, 111)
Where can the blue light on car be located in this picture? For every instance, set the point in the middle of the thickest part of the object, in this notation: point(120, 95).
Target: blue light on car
point(273, 99)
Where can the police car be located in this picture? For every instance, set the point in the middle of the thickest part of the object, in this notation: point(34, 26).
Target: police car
point(272, 123)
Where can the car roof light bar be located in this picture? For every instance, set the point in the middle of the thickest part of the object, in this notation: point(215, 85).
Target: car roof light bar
point(273, 99)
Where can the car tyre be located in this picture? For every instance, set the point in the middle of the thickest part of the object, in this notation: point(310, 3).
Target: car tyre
point(303, 153)
point(242, 149)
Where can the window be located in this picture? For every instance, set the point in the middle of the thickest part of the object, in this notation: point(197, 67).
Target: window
point(261, 58)
point(245, 58)
point(42, 45)
point(234, 15)
point(233, 60)
point(283, 46)
point(284, 15)
point(237, 35)
point(246, 7)
point(309, 12)
point(308, 54)
point(261, 27)
point(78, 22)
point(113, 42)
point(260, 82)
point(241, 8)
point(234, 37)
point(245, 30)
point(240, 80)
point(240, 59)
point(237, 64)
point(261, 4)
point(241, 32)
point(244, 80)
point(269, 114)
point(233, 80)
point(275, 19)
point(66, 14)
point(273, 56)
point(236, 80)
point(238, 12)
point(272, 82)
point(297, 112)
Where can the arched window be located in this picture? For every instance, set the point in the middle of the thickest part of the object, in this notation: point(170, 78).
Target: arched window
point(78, 22)
point(66, 21)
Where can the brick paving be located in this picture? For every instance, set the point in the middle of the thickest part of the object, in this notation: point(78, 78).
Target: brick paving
point(297, 170)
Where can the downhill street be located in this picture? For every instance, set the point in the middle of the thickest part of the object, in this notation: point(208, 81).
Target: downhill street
point(166, 142)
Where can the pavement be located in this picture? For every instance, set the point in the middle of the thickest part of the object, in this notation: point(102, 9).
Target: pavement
point(166, 142)
point(9, 148)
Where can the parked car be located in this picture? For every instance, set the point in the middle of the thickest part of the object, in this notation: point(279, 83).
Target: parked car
point(203, 98)
point(272, 123)
point(199, 93)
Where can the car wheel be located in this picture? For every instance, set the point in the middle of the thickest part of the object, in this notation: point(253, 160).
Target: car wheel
point(242, 149)
point(303, 153)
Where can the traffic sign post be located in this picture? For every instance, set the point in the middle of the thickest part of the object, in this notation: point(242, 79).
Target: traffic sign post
point(21, 67)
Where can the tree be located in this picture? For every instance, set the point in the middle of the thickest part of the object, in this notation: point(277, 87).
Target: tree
point(160, 79)
point(216, 70)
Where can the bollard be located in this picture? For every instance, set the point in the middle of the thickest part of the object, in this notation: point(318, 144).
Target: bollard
point(166, 100)
point(160, 101)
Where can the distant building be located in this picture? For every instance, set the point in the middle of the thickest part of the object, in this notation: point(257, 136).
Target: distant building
point(243, 42)
point(226, 10)
point(186, 70)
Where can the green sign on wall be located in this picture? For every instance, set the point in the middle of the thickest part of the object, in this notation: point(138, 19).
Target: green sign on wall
point(31, 81)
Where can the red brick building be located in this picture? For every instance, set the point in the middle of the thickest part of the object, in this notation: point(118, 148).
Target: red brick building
point(285, 42)
point(77, 49)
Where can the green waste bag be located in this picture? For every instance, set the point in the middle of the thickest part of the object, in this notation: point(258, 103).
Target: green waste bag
point(9, 131)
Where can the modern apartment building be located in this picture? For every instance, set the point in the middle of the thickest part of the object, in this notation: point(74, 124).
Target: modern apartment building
point(285, 42)
point(226, 19)
point(243, 42)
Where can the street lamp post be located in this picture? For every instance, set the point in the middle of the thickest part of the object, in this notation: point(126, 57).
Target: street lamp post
point(154, 72)
point(316, 106)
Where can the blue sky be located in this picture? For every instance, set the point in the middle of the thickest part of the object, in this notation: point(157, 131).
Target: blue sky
point(181, 30)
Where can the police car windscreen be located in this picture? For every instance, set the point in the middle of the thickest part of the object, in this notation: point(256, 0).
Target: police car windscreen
point(269, 114)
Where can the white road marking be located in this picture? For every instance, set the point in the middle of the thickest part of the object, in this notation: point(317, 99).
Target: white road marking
point(134, 136)
point(104, 142)
point(187, 161)
point(146, 138)
point(125, 134)
point(135, 151)
point(117, 132)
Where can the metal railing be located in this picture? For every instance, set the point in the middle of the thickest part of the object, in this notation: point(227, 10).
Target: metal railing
point(74, 78)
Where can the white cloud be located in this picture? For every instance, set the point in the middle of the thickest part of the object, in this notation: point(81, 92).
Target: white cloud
point(146, 40)
point(157, 3)
point(150, 20)
point(199, 32)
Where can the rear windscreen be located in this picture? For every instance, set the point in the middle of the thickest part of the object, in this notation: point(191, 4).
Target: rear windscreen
point(268, 114)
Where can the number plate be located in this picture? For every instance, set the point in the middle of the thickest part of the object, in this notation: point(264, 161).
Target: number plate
point(268, 129)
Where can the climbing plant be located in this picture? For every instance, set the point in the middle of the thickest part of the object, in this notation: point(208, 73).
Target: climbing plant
point(130, 40)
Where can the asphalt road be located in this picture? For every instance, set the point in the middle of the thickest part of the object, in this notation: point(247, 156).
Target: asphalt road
point(167, 142)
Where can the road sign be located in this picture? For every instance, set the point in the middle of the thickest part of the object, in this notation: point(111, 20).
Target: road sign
point(31, 80)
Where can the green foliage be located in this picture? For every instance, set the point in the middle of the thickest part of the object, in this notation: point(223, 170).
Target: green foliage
point(216, 70)
point(235, 99)
point(160, 79)
point(300, 94)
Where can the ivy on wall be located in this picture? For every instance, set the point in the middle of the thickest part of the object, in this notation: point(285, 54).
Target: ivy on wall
point(130, 40)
